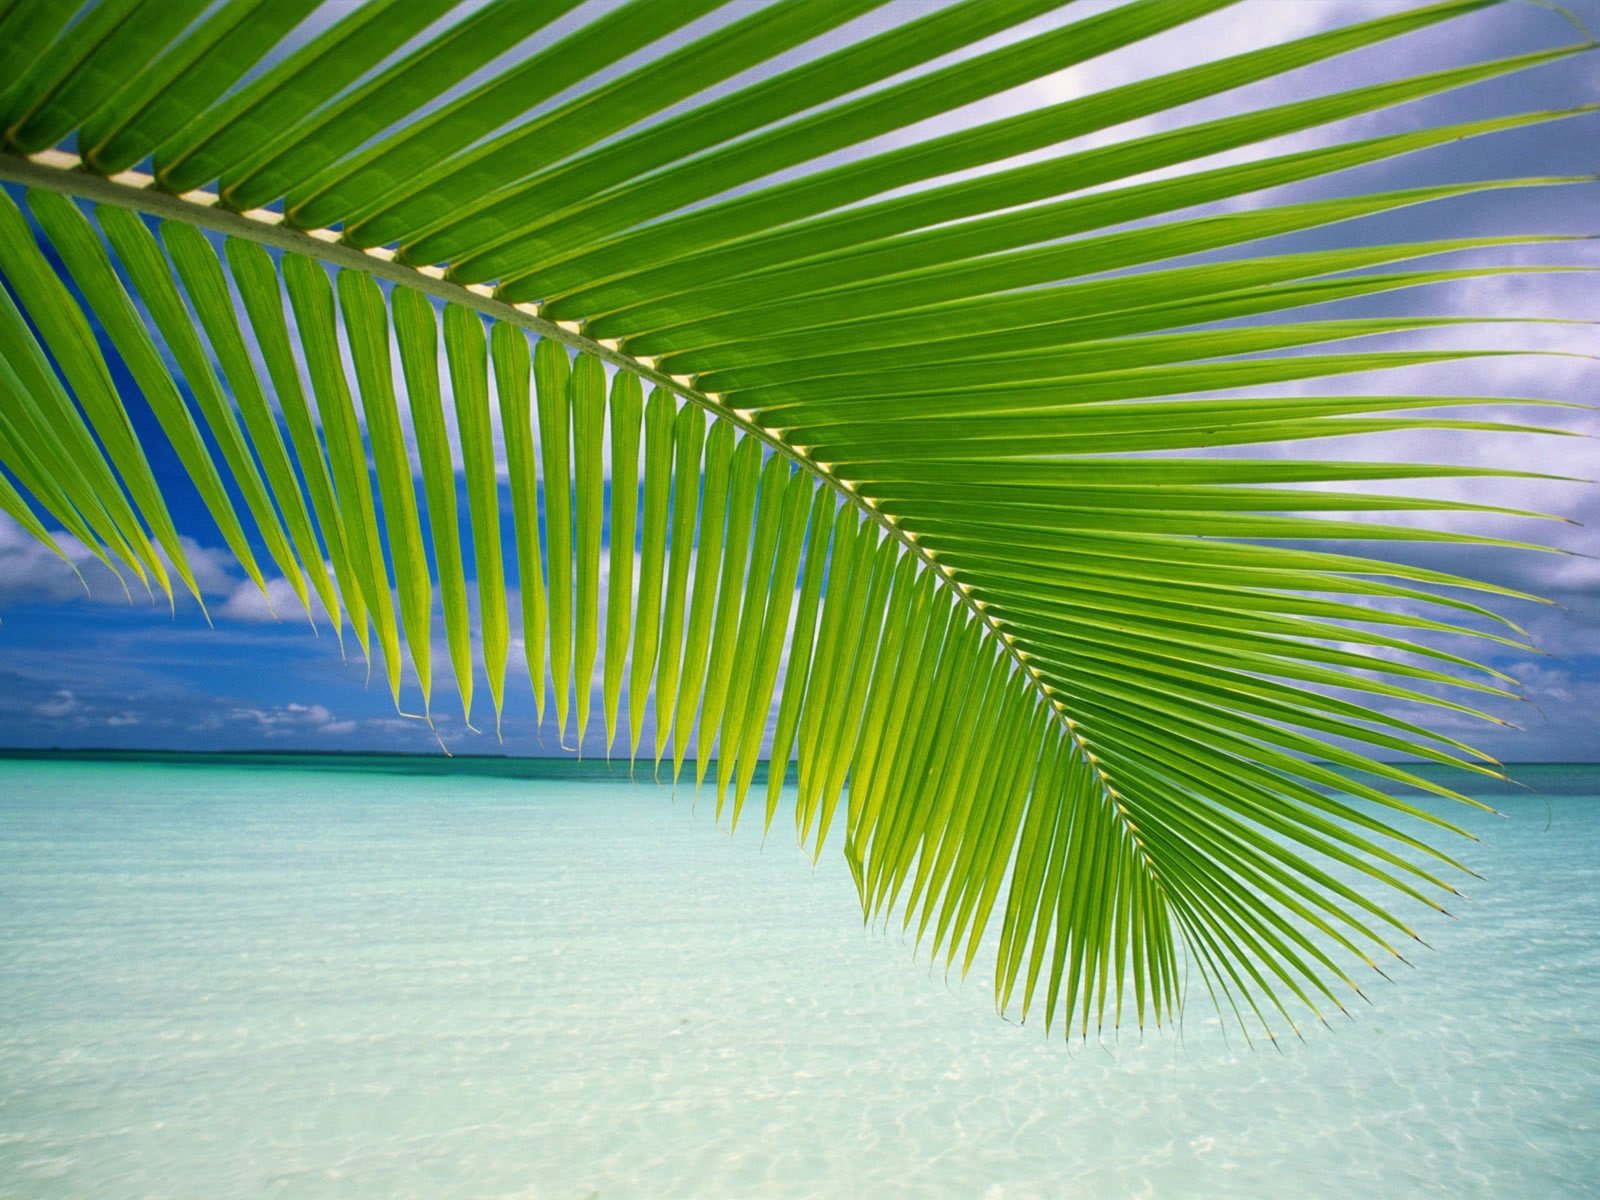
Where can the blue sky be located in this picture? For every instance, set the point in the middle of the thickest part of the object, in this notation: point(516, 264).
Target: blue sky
point(99, 671)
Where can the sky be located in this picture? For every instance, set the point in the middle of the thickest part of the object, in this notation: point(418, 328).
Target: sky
point(82, 670)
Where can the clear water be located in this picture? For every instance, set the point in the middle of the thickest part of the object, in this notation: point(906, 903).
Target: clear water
point(224, 982)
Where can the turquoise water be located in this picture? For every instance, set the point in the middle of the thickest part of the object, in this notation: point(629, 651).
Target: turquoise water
point(226, 981)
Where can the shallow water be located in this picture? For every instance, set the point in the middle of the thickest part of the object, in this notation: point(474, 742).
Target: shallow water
point(228, 982)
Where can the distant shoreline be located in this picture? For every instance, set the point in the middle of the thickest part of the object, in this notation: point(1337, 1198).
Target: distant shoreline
point(508, 766)
point(401, 762)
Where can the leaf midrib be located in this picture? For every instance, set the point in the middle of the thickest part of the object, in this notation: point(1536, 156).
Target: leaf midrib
point(63, 172)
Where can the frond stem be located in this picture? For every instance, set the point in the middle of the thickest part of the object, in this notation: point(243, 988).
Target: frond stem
point(63, 172)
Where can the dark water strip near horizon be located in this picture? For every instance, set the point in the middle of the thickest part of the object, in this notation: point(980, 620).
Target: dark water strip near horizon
point(1523, 778)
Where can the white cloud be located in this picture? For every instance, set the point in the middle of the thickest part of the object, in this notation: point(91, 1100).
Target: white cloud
point(246, 602)
point(61, 704)
point(213, 569)
point(280, 720)
point(31, 574)
point(65, 708)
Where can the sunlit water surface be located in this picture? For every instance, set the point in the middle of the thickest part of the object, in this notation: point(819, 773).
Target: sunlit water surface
point(223, 982)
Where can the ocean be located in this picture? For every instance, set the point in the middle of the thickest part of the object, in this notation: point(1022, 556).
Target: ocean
point(353, 978)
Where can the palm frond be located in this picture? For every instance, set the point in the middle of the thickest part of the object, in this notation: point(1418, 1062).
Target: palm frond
point(928, 477)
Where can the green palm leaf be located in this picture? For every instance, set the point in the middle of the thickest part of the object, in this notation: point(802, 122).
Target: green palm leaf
point(933, 492)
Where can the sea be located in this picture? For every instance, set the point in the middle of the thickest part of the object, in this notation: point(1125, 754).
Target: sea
point(374, 977)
